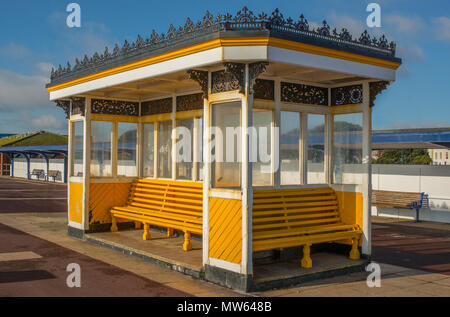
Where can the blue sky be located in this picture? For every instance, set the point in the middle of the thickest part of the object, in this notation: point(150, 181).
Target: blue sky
point(34, 37)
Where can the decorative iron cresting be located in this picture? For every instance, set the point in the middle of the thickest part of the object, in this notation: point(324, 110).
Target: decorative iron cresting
point(375, 89)
point(64, 105)
point(115, 107)
point(190, 102)
point(243, 20)
point(201, 77)
point(78, 105)
point(264, 89)
point(156, 106)
point(299, 93)
point(346, 95)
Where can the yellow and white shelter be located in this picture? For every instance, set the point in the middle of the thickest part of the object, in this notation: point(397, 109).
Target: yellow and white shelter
point(312, 89)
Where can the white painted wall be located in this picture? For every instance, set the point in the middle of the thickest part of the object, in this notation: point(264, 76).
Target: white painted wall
point(20, 167)
point(432, 180)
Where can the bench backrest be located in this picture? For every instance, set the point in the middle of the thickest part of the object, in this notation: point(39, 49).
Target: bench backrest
point(165, 196)
point(37, 172)
point(395, 199)
point(53, 173)
point(292, 209)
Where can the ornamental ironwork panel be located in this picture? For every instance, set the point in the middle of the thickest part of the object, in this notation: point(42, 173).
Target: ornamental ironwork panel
point(375, 89)
point(201, 77)
point(79, 106)
point(346, 95)
point(224, 81)
point(254, 70)
point(190, 102)
point(64, 105)
point(299, 93)
point(156, 106)
point(115, 107)
point(297, 30)
point(264, 89)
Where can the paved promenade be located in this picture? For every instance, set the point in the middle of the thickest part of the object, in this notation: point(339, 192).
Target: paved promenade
point(35, 250)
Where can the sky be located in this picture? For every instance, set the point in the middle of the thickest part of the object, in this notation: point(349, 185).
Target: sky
point(34, 38)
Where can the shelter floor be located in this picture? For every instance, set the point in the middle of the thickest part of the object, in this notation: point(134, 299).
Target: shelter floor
point(286, 269)
point(159, 247)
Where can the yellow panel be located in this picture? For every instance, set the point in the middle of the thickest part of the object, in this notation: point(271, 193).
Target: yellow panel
point(104, 196)
point(76, 202)
point(351, 208)
point(225, 229)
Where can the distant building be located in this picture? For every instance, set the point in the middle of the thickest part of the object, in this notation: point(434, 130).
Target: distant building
point(440, 156)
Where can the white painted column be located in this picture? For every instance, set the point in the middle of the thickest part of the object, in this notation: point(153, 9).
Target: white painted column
point(246, 181)
point(277, 138)
point(86, 163)
point(174, 138)
point(367, 170)
point(328, 143)
point(206, 172)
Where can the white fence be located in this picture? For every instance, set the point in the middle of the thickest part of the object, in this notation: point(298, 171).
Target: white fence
point(433, 180)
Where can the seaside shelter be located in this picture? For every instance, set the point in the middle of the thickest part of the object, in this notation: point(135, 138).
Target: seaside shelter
point(249, 132)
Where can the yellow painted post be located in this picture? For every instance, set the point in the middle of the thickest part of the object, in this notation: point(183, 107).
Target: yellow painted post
point(187, 245)
point(114, 224)
point(137, 225)
point(306, 260)
point(146, 234)
point(169, 232)
point(354, 253)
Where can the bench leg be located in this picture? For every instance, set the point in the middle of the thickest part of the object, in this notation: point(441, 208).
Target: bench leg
point(354, 253)
point(137, 225)
point(146, 235)
point(306, 260)
point(187, 245)
point(169, 232)
point(114, 224)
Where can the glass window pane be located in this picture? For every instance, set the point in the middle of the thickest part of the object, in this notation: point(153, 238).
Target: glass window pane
point(316, 141)
point(199, 143)
point(185, 135)
point(290, 148)
point(149, 155)
point(226, 165)
point(101, 133)
point(126, 149)
point(165, 149)
point(347, 148)
point(261, 168)
point(77, 148)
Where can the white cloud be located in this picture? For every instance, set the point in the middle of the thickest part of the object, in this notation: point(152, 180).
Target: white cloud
point(441, 27)
point(411, 53)
point(405, 25)
point(46, 122)
point(354, 26)
point(20, 91)
point(14, 50)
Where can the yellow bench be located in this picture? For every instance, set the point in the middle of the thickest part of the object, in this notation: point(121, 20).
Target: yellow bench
point(299, 217)
point(164, 203)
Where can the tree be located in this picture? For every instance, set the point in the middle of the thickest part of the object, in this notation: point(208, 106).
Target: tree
point(407, 156)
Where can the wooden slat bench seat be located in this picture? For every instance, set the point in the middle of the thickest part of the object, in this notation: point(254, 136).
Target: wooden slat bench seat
point(164, 203)
point(56, 175)
point(395, 199)
point(285, 218)
point(38, 173)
